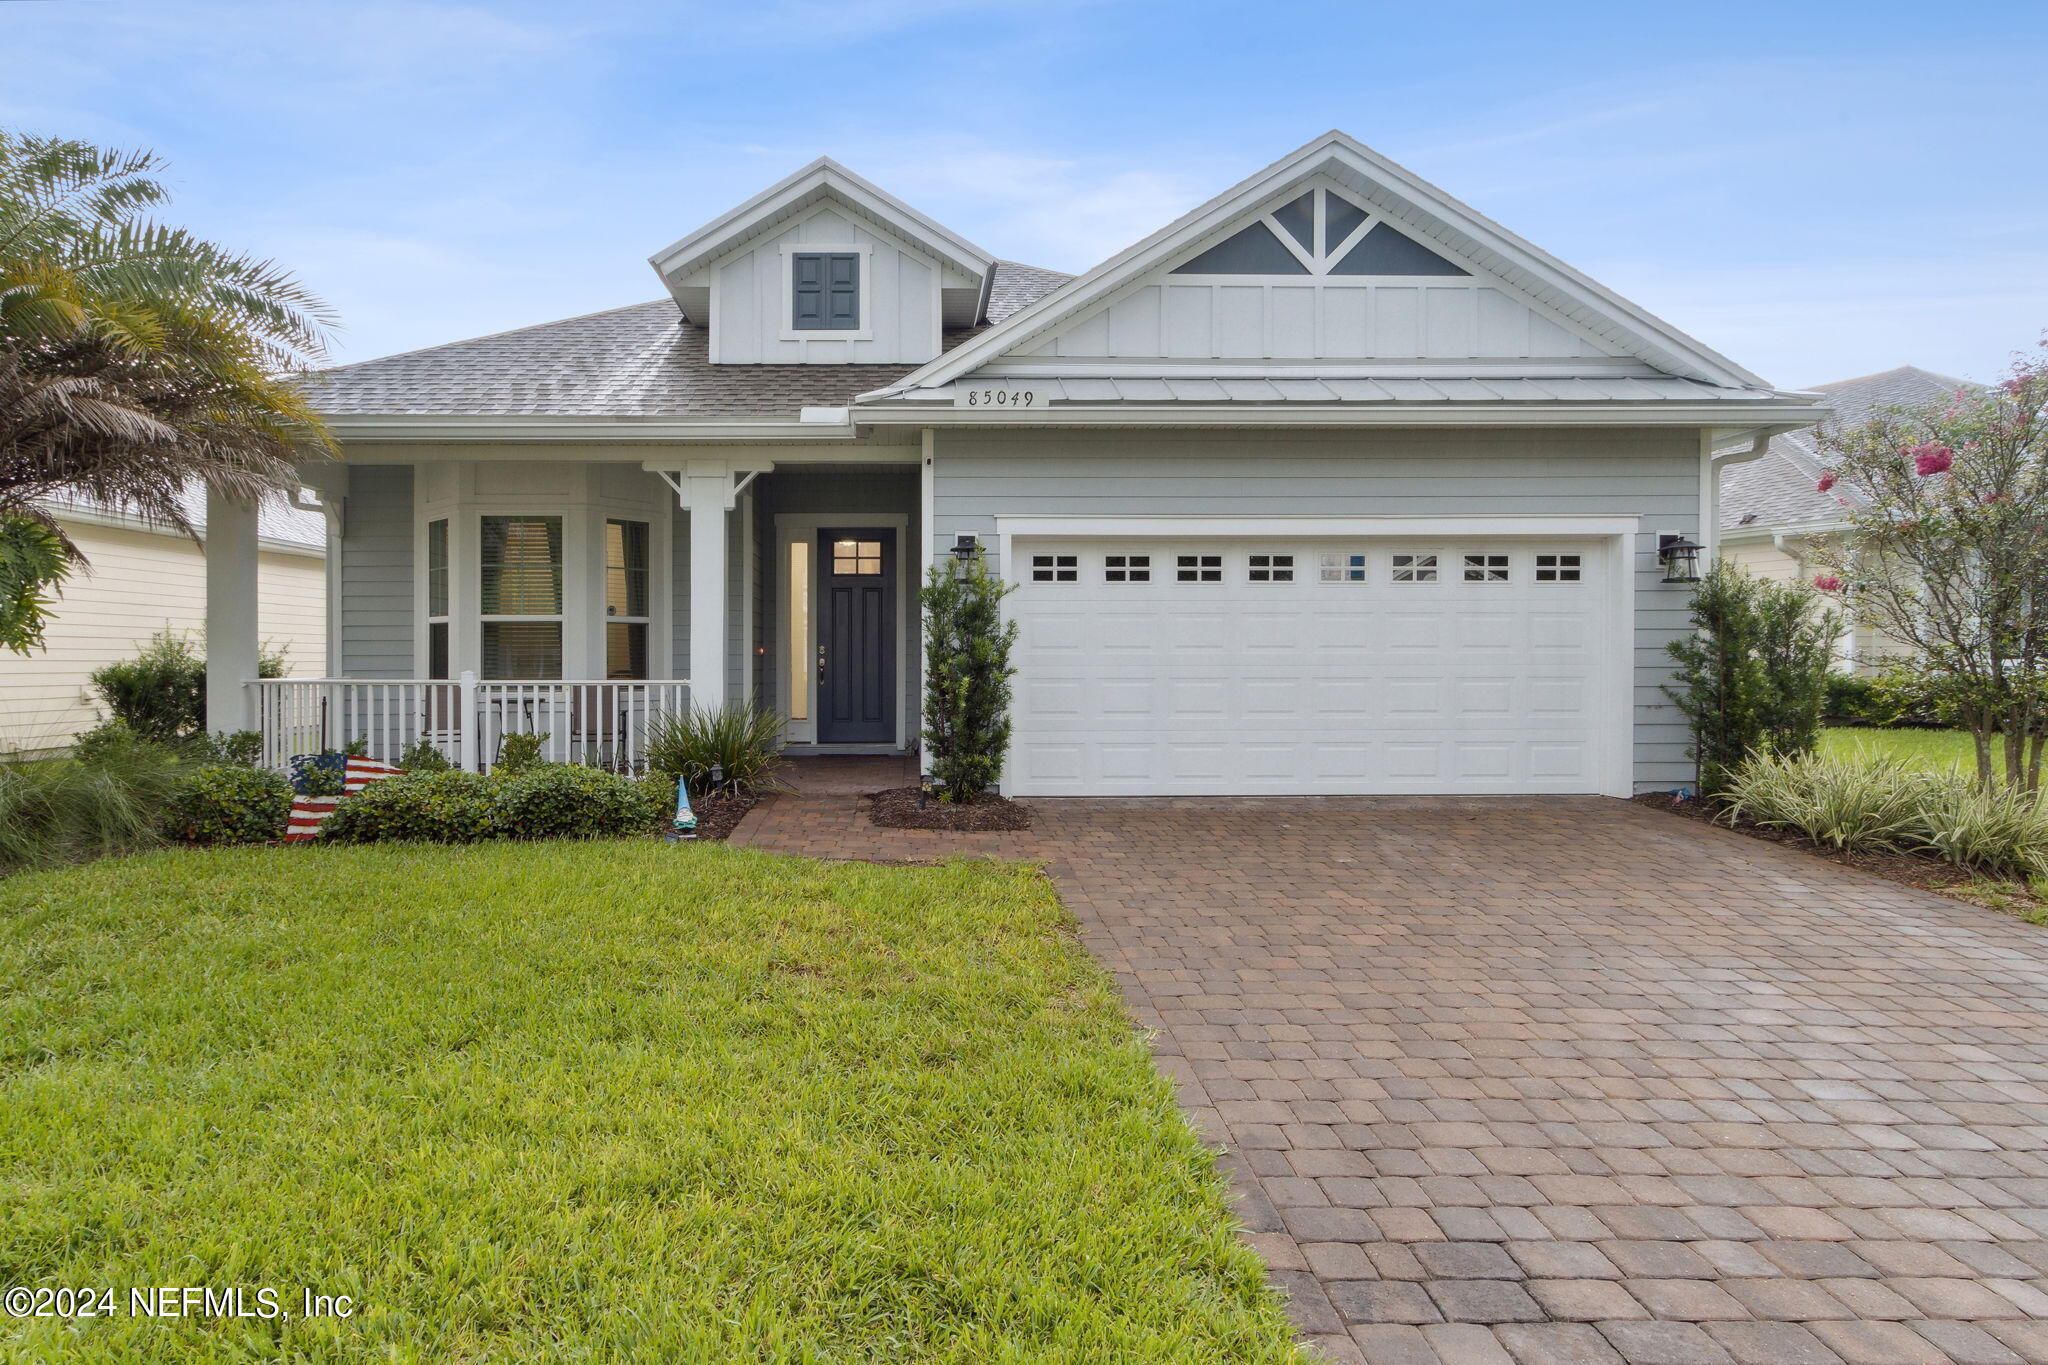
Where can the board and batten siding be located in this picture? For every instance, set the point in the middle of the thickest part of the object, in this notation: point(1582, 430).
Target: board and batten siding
point(1191, 318)
point(900, 301)
point(138, 582)
point(1650, 474)
point(374, 614)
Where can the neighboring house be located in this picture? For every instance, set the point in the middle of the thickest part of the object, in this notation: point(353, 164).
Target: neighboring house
point(1771, 507)
point(1330, 486)
point(143, 578)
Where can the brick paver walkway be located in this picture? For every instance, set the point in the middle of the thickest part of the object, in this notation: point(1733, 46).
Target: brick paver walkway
point(1570, 1080)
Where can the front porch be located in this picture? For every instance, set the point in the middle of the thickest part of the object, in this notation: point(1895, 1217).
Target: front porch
point(584, 600)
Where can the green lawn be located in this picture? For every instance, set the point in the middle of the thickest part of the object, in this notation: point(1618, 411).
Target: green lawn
point(609, 1101)
point(1920, 748)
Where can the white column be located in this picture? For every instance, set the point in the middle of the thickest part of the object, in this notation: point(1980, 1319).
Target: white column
point(707, 497)
point(230, 611)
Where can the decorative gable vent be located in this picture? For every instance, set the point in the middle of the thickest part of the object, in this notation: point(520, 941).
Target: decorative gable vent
point(1319, 233)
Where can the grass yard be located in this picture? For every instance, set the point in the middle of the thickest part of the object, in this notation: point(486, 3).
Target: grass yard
point(606, 1101)
point(1919, 748)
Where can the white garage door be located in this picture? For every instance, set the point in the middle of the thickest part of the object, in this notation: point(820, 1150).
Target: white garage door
point(1209, 667)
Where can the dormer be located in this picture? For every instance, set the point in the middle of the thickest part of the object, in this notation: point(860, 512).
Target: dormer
point(824, 268)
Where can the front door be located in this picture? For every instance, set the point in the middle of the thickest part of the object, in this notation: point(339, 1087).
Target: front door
point(857, 636)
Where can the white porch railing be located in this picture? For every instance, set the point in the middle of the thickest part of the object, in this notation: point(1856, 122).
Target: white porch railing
point(602, 723)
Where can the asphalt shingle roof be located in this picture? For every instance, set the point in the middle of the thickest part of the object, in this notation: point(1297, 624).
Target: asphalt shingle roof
point(1777, 489)
point(643, 360)
point(276, 519)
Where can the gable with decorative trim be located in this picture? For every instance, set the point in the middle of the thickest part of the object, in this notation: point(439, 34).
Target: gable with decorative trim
point(1315, 275)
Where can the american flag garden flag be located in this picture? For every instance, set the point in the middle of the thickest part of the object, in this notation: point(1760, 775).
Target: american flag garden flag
point(309, 813)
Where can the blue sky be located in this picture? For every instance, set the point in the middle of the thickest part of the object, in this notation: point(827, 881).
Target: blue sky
point(1819, 189)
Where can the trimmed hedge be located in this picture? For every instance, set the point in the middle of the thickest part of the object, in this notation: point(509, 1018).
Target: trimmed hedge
point(439, 808)
point(560, 801)
point(227, 804)
point(545, 801)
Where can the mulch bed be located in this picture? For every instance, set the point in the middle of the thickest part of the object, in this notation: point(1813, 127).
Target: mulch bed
point(1906, 869)
point(897, 808)
point(717, 815)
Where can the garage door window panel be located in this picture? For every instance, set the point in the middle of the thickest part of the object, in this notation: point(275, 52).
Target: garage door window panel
point(1486, 568)
point(1127, 568)
point(1337, 566)
point(1055, 568)
point(1559, 569)
point(1198, 568)
point(1414, 568)
point(1266, 568)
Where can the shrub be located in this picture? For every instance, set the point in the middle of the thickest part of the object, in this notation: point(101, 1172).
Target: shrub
point(967, 678)
point(1752, 677)
point(1844, 803)
point(519, 751)
point(740, 738)
point(1855, 700)
point(421, 756)
point(564, 801)
point(58, 810)
point(243, 748)
point(441, 808)
point(226, 804)
point(1999, 831)
point(115, 741)
point(161, 692)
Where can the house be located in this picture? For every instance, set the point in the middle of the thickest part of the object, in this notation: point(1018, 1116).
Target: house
point(141, 578)
point(1771, 507)
point(1332, 485)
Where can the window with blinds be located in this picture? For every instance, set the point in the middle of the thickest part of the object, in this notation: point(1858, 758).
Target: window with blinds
point(521, 579)
point(625, 599)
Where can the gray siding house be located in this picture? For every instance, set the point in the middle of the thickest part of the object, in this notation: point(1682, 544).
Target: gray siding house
point(1331, 486)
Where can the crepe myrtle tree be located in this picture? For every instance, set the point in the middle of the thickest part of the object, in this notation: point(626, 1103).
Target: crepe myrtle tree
point(1945, 551)
point(967, 676)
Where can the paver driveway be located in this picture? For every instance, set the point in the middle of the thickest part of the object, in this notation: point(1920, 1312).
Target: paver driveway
point(1569, 1080)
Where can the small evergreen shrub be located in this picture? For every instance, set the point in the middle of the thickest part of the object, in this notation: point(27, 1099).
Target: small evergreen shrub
point(967, 679)
point(1752, 678)
point(160, 694)
point(115, 741)
point(421, 756)
point(568, 801)
point(741, 739)
point(440, 808)
point(242, 749)
point(520, 751)
point(227, 804)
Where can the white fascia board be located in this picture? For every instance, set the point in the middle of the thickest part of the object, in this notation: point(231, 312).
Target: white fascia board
point(1306, 415)
point(1309, 524)
point(517, 429)
point(1162, 367)
point(1094, 286)
point(1798, 530)
point(823, 176)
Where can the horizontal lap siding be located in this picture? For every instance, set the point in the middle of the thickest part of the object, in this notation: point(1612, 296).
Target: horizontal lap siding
point(135, 583)
point(375, 607)
point(1649, 474)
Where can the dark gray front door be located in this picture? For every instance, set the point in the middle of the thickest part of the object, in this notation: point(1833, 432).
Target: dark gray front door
point(857, 636)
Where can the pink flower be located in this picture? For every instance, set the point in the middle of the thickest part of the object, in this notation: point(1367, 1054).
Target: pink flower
point(1931, 459)
point(1827, 481)
point(1827, 582)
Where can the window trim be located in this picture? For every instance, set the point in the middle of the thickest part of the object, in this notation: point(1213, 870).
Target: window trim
point(789, 330)
point(559, 618)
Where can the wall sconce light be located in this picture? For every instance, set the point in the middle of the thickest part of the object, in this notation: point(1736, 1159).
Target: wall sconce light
point(966, 548)
point(1680, 558)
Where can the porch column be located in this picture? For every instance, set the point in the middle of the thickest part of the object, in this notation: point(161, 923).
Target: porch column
point(708, 498)
point(230, 611)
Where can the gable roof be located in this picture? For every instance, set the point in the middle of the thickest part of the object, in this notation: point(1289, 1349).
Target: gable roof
point(642, 360)
point(1396, 194)
point(1776, 490)
point(824, 179)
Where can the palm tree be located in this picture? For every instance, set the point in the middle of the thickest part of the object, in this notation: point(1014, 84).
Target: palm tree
point(135, 358)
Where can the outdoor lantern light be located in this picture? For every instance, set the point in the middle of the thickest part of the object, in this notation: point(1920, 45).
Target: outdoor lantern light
point(1680, 557)
point(924, 789)
point(965, 548)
